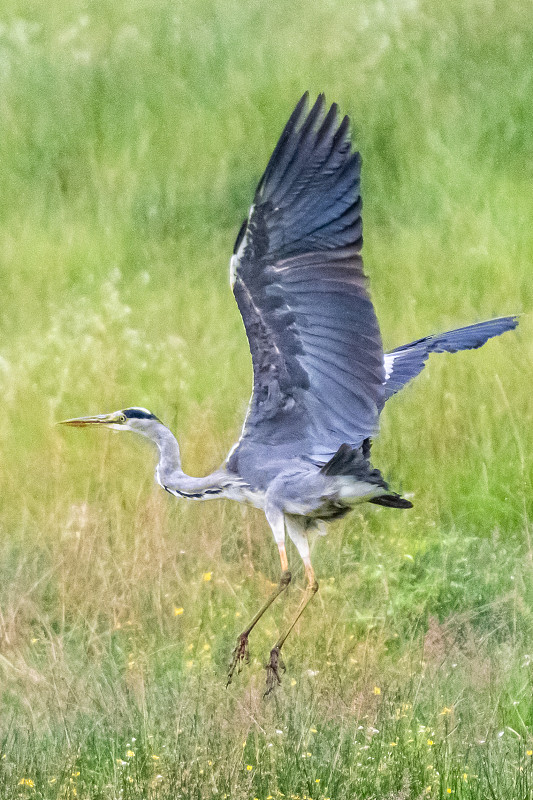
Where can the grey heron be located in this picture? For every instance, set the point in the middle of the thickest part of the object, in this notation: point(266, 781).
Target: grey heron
point(320, 377)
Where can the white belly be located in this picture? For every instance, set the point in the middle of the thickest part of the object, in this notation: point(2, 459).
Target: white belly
point(351, 491)
point(246, 495)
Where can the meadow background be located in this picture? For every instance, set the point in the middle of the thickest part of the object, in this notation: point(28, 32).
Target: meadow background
point(132, 135)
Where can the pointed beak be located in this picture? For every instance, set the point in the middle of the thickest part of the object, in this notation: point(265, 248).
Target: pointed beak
point(99, 419)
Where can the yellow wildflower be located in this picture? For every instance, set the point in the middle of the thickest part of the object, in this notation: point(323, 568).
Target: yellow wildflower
point(430, 742)
point(377, 690)
point(26, 782)
point(130, 753)
point(249, 768)
point(207, 576)
point(155, 758)
point(529, 752)
point(178, 611)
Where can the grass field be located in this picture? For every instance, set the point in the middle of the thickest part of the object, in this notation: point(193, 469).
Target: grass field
point(132, 137)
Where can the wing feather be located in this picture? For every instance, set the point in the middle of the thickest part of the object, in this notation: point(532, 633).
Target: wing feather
point(407, 361)
point(302, 293)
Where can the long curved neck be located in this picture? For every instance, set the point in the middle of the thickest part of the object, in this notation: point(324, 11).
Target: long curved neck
point(169, 472)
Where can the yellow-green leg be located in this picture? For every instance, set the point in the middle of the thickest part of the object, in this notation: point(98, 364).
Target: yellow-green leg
point(240, 653)
point(276, 663)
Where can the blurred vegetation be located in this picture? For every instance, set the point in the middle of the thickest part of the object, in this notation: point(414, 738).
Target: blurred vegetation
point(132, 138)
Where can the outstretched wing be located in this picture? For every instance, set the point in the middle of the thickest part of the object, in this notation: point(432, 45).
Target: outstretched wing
point(298, 279)
point(404, 363)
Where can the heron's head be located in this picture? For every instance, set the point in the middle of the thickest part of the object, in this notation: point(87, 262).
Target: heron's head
point(138, 420)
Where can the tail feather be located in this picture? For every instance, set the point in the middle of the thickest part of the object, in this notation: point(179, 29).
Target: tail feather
point(353, 462)
point(391, 500)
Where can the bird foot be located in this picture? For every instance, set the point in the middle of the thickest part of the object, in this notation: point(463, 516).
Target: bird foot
point(273, 667)
point(240, 654)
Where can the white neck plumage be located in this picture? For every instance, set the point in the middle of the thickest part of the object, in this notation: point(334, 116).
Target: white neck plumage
point(169, 473)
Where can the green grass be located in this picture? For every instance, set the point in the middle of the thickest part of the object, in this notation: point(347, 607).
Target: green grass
point(132, 137)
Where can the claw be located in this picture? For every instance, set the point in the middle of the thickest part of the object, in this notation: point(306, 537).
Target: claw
point(240, 654)
point(273, 667)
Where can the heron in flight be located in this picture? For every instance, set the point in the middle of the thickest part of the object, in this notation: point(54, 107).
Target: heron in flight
point(320, 377)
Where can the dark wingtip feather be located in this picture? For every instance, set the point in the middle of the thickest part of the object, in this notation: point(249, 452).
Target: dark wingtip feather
point(471, 336)
point(409, 359)
point(292, 123)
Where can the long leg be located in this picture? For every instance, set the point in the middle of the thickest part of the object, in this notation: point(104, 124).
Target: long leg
point(240, 652)
point(296, 531)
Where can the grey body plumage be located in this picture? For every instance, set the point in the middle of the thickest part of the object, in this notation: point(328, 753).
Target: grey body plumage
point(320, 377)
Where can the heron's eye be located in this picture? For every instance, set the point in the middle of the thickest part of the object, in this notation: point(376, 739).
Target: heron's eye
point(122, 418)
